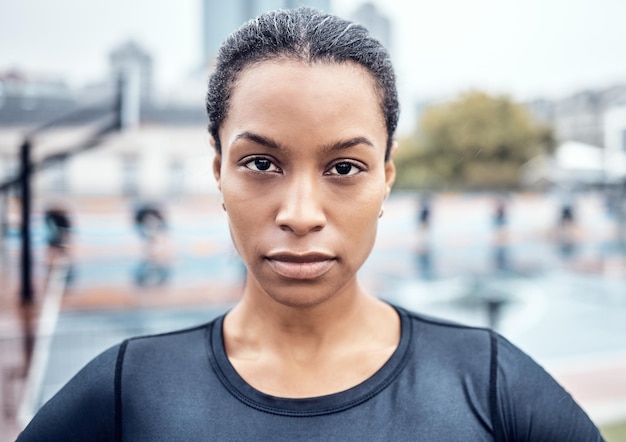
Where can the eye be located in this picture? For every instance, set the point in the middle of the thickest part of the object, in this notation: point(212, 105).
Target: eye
point(261, 164)
point(344, 168)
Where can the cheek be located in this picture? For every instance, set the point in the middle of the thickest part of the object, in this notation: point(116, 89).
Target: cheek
point(251, 210)
point(246, 210)
point(364, 201)
point(243, 229)
point(240, 195)
point(358, 213)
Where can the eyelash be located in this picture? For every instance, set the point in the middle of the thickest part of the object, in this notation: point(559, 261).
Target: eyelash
point(359, 168)
point(247, 163)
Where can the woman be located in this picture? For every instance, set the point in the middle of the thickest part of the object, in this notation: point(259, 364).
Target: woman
point(302, 109)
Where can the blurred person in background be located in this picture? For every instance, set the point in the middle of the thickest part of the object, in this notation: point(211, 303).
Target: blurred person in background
point(500, 213)
point(154, 267)
point(150, 224)
point(567, 217)
point(58, 228)
point(424, 215)
point(566, 226)
point(500, 220)
point(303, 108)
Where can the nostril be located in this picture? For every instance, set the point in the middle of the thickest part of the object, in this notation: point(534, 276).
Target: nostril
point(301, 210)
point(300, 229)
point(301, 225)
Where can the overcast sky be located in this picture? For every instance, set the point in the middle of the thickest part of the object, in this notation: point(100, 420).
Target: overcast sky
point(527, 48)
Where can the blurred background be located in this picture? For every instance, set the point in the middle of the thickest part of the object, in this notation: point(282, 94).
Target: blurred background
point(509, 209)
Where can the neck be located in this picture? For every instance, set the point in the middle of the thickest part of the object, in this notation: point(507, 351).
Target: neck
point(350, 318)
point(314, 350)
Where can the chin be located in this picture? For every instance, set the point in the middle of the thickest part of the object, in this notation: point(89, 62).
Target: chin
point(298, 294)
point(300, 297)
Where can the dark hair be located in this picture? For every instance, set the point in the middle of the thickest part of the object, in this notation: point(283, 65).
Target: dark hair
point(300, 34)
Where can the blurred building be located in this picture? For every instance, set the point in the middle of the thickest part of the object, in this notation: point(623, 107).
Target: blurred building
point(26, 93)
point(34, 93)
point(220, 18)
point(573, 165)
point(579, 117)
point(131, 60)
point(166, 153)
point(615, 143)
point(376, 22)
point(590, 126)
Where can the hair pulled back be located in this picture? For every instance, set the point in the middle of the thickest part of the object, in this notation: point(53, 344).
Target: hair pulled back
point(306, 35)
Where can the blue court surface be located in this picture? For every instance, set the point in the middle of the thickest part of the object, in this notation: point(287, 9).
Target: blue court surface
point(560, 296)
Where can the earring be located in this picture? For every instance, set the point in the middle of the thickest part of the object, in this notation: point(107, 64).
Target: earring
point(382, 210)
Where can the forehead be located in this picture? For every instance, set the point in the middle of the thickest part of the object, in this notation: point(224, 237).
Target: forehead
point(308, 96)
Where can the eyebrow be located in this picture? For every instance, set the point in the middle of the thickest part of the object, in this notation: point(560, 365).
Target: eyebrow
point(346, 144)
point(273, 144)
point(259, 139)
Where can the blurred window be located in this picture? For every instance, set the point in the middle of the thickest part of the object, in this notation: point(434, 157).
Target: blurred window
point(28, 99)
point(9, 166)
point(624, 140)
point(58, 175)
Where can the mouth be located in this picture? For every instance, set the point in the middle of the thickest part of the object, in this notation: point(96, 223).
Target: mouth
point(302, 266)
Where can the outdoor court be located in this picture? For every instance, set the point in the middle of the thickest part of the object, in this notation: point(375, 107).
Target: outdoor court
point(561, 298)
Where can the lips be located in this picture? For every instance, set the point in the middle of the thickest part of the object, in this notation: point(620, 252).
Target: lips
point(300, 266)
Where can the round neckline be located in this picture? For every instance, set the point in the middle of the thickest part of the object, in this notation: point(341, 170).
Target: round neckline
point(313, 406)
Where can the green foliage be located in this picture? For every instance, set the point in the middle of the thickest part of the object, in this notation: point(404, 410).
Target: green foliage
point(614, 432)
point(477, 141)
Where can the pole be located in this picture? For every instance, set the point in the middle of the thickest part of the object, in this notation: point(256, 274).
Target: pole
point(119, 103)
point(26, 289)
point(4, 222)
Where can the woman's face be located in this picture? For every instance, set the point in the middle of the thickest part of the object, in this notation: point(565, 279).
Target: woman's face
point(303, 177)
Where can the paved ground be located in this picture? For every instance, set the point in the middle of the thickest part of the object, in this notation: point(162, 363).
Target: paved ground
point(563, 292)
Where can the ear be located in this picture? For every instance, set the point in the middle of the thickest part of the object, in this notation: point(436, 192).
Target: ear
point(217, 163)
point(390, 170)
point(217, 172)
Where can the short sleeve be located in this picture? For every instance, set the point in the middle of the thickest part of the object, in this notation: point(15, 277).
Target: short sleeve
point(83, 409)
point(531, 405)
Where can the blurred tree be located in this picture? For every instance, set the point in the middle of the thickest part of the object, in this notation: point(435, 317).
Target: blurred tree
point(477, 141)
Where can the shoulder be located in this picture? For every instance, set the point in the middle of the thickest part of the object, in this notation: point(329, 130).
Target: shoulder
point(88, 406)
point(175, 342)
point(155, 358)
point(150, 364)
point(529, 403)
point(83, 409)
point(523, 400)
point(457, 340)
point(452, 355)
point(431, 324)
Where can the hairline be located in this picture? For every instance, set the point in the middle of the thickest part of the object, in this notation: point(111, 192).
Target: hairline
point(306, 61)
point(296, 35)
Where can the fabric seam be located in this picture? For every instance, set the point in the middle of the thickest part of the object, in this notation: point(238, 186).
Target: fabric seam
point(117, 388)
point(493, 388)
point(171, 333)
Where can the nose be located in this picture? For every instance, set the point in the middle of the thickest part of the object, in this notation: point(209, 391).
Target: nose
point(301, 210)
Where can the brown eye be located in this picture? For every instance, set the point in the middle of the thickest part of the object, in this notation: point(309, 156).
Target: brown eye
point(345, 168)
point(261, 164)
